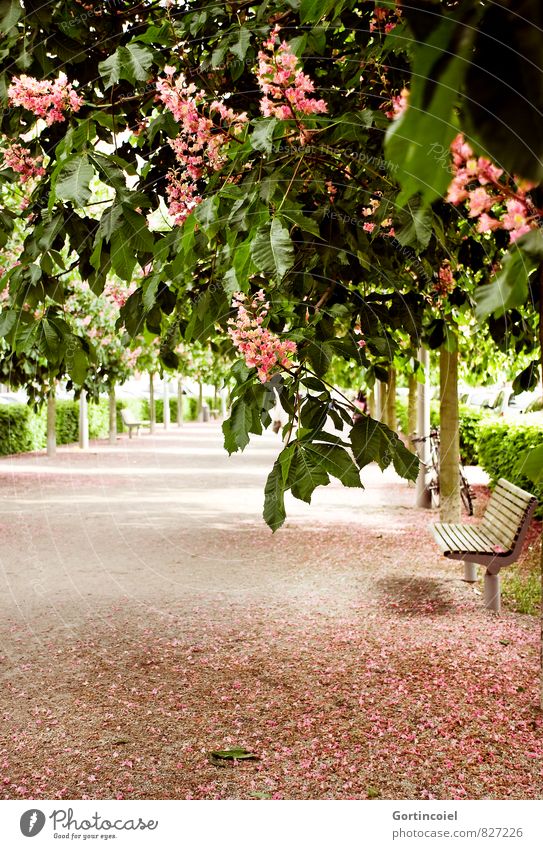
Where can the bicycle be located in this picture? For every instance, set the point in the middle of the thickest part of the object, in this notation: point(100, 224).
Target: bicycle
point(466, 492)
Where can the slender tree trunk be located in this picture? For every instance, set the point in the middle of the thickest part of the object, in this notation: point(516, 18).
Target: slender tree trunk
point(423, 429)
point(83, 420)
point(152, 411)
point(200, 402)
point(391, 414)
point(449, 449)
point(51, 423)
point(180, 416)
point(371, 403)
point(224, 410)
point(412, 410)
point(112, 415)
point(166, 416)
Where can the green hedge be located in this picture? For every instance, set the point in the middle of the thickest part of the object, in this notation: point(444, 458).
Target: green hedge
point(500, 444)
point(190, 408)
point(21, 429)
point(469, 425)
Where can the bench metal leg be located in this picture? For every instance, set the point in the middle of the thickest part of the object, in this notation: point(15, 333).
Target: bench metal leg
point(470, 572)
point(492, 592)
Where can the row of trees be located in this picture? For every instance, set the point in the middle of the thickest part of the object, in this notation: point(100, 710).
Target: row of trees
point(303, 150)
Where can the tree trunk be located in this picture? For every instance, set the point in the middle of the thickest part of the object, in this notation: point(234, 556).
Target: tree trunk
point(224, 410)
point(412, 410)
point(423, 429)
point(180, 416)
point(83, 421)
point(449, 449)
point(166, 415)
point(112, 415)
point(371, 403)
point(51, 423)
point(200, 413)
point(391, 418)
point(152, 411)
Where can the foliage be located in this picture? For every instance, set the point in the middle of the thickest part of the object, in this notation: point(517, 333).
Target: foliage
point(500, 445)
point(22, 429)
point(522, 589)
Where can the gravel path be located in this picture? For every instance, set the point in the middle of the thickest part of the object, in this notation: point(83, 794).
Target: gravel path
point(149, 617)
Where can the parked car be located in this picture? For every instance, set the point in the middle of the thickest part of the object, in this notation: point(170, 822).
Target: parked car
point(509, 403)
point(481, 397)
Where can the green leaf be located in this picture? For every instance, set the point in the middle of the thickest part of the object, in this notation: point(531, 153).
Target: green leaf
point(76, 361)
point(272, 249)
point(417, 232)
point(262, 136)
point(236, 428)
point(123, 258)
point(8, 319)
point(429, 123)
point(510, 287)
point(131, 63)
point(138, 231)
point(530, 464)
point(240, 48)
point(373, 441)
point(274, 497)
point(306, 473)
point(73, 179)
point(10, 13)
point(311, 11)
point(337, 462)
point(234, 755)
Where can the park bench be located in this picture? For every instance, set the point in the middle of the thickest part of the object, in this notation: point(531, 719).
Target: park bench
point(493, 542)
point(131, 423)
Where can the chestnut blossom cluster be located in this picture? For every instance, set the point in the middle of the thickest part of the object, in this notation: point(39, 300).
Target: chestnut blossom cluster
point(117, 292)
point(287, 90)
point(48, 100)
point(384, 20)
point(261, 348)
point(445, 282)
point(495, 202)
point(398, 104)
point(23, 163)
point(200, 147)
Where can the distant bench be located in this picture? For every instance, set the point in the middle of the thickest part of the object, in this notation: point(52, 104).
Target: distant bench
point(493, 542)
point(131, 423)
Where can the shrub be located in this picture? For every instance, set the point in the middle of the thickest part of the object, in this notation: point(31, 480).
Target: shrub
point(67, 425)
point(15, 433)
point(499, 445)
point(98, 419)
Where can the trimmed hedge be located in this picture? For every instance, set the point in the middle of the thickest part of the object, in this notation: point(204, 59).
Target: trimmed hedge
point(21, 429)
point(500, 444)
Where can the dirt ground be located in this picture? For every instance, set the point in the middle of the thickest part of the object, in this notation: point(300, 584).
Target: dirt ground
point(149, 617)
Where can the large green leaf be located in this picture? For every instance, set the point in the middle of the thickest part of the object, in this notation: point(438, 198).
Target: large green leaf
point(73, 181)
point(306, 472)
point(373, 441)
point(429, 123)
point(274, 498)
point(530, 464)
point(272, 249)
point(131, 63)
point(510, 287)
point(337, 462)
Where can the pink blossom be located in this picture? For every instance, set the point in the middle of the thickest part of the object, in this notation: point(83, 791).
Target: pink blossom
point(49, 100)
point(368, 226)
point(479, 201)
point(261, 348)
point(399, 104)
point(287, 90)
point(487, 223)
point(21, 160)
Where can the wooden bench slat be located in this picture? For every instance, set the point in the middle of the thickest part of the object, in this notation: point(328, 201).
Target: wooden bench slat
point(515, 490)
point(465, 537)
point(509, 498)
point(495, 518)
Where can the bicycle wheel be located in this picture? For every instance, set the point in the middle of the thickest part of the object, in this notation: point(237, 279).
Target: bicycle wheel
point(433, 486)
point(465, 494)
